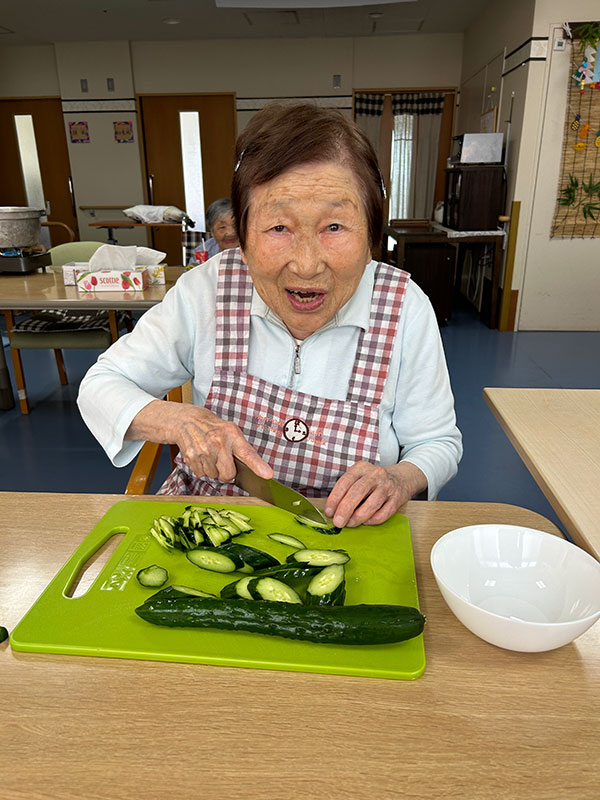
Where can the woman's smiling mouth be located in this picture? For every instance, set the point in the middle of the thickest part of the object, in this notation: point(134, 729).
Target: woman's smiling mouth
point(306, 299)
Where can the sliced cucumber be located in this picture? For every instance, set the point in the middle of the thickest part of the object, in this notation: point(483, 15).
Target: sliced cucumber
point(321, 527)
point(241, 588)
point(328, 588)
point(272, 589)
point(216, 517)
point(318, 558)
point(164, 533)
point(183, 590)
point(251, 556)
point(214, 560)
point(153, 576)
point(216, 535)
point(290, 541)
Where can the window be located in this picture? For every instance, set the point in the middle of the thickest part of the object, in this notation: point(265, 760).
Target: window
point(401, 166)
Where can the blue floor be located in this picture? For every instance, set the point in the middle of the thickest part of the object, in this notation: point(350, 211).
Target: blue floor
point(51, 449)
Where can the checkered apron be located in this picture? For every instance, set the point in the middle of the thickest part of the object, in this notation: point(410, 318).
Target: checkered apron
point(309, 441)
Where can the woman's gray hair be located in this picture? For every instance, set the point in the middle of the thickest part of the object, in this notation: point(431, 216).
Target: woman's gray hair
point(217, 209)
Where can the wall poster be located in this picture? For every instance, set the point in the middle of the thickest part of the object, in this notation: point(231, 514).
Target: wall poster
point(577, 212)
point(79, 132)
point(123, 132)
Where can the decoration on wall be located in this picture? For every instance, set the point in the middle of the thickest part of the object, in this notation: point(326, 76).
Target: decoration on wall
point(123, 132)
point(487, 121)
point(577, 211)
point(79, 132)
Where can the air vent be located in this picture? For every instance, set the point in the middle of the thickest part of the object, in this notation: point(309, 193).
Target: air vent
point(260, 17)
point(401, 26)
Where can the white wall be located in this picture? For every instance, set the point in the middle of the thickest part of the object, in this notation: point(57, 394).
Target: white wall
point(94, 61)
point(28, 71)
point(560, 281)
point(296, 67)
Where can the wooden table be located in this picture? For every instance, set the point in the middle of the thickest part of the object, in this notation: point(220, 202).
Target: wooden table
point(39, 290)
point(481, 723)
point(557, 434)
point(42, 290)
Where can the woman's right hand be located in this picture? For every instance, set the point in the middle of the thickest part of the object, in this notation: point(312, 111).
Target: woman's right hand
point(207, 442)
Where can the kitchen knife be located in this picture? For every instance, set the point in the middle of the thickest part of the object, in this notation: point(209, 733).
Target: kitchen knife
point(278, 494)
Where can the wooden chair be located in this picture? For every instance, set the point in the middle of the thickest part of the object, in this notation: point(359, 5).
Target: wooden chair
point(57, 340)
point(144, 469)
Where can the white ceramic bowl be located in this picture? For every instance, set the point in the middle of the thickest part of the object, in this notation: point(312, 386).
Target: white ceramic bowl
point(517, 588)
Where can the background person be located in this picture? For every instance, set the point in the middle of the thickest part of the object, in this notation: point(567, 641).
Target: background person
point(221, 226)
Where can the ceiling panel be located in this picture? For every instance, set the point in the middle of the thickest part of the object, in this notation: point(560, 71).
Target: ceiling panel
point(42, 21)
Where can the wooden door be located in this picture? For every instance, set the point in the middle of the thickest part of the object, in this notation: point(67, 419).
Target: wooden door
point(53, 157)
point(163, 161)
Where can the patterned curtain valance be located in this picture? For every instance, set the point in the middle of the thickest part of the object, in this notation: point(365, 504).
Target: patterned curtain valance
point(417, 103)
point(368, 105)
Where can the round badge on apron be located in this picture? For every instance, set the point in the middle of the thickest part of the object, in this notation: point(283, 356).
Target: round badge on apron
point(295, 430)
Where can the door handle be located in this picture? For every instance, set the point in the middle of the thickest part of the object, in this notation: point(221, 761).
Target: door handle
point(151, 188)
point(72, 195)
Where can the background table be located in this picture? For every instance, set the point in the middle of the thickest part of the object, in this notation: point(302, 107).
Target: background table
point(111, 225)
point(557, 434)
point(41, 290)
point(481, 723)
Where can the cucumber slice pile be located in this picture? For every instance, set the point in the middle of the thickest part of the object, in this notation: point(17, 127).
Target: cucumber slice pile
point(199, 526)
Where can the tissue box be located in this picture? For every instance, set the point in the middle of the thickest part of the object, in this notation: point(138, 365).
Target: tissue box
point(69, 269)
point(113, 280)
point(156, 273)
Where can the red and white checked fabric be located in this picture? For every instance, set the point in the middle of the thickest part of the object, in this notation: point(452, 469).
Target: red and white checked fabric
point(308, 440)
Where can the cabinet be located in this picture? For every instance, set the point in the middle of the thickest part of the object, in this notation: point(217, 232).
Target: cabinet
point(474, 197)
point(431, 261)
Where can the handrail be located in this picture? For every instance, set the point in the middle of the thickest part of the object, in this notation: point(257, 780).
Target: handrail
point(70, 231)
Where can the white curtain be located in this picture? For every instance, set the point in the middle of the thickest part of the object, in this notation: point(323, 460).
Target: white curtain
point(426, 141)
point(368, 109)
point(401, 197)
point(415, 143)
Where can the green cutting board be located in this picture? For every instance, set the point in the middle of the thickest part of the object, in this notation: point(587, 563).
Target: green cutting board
point(102, 622)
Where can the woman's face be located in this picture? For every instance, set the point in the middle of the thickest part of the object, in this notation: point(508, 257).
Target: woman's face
point(224, 232)
point(307, 243)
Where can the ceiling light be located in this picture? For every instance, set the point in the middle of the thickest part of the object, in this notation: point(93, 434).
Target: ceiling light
point(171, 21)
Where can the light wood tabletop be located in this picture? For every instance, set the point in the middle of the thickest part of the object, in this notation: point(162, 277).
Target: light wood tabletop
point(481, 723)
point(42, 290)
point(557, 434)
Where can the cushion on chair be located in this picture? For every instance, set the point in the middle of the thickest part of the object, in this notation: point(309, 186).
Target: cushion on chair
point(55, 340)
point(64, 330)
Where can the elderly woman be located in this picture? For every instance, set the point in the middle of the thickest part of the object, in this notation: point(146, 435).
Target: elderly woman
point(221, 226)
point(309, 360)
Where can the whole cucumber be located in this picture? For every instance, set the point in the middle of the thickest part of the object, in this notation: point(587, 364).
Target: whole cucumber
point(347, 625)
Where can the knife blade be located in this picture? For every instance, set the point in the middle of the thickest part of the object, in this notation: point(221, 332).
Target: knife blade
point(276, 493)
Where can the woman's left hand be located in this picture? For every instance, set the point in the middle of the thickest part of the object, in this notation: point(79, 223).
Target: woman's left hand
point(369, 494)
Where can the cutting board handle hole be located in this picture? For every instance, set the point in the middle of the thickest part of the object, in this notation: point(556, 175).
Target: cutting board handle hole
point(91, 568)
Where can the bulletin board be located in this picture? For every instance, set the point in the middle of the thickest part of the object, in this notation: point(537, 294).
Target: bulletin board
point(577, 212)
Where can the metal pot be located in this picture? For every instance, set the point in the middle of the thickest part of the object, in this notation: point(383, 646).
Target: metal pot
point(19, 226)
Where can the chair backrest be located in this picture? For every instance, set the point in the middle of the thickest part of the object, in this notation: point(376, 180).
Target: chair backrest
point(190, 241)
point(73, 251)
